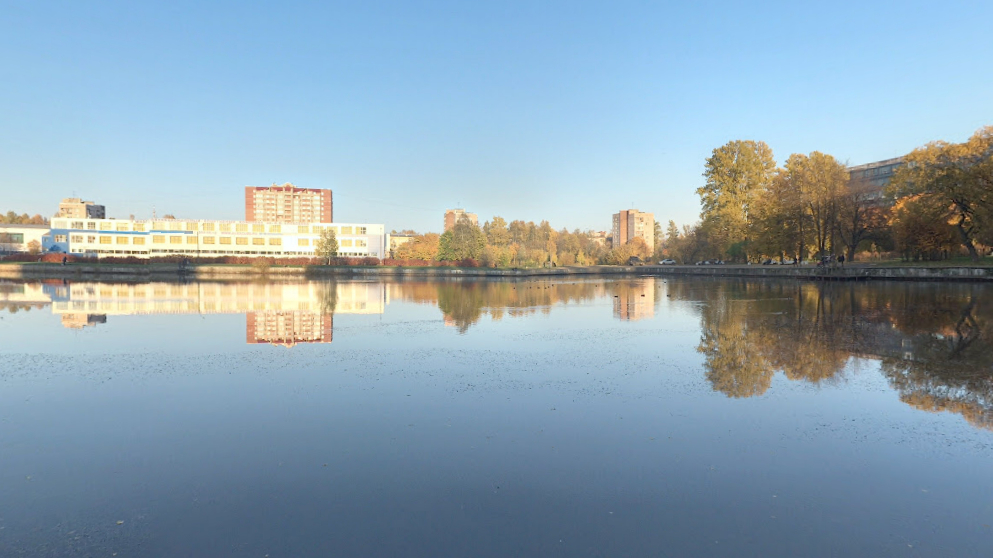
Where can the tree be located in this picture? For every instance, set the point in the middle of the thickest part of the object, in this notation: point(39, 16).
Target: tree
point(860, 218)
point(736, 173)
point(961, 175)
point(463, 241)
point(421, 247)
point(496, 232)
point(327, 244)
point(34, 247)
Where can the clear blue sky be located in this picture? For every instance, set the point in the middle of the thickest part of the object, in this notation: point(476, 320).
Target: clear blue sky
point(566, 111)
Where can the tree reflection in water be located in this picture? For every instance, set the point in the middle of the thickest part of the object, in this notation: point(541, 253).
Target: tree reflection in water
point(933, 340)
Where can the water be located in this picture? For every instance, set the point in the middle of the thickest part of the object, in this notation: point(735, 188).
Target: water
point(593, 417)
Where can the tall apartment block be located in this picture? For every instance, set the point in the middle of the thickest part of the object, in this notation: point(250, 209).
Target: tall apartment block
point(452, 216)
point(631, 223)
point(75, 208)
point(287, 204)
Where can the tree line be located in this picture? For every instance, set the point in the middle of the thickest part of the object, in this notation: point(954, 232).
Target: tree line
point(937, 203)
point(12, 218)
point(517, 244)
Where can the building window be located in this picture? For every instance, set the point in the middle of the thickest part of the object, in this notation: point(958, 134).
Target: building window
point(175, 240)
point(303, 242)
point(225, 227)
point(225, 240)
point(208, 240)
point(303, 229)
point(258, 228)
point(191, 239)
point(346, 242)
point(258, 242)
point(241, 227)
point(76, 225)
point(241, 241)
point(122, 240)
point(140, 240)
point(346, 230)
point(208, 227)
point(139, 227)
point(105, 226)
point(360, 242)
point(191, 226)
point(158, 239)
point(91, 226)
point(122, 227)
point(275, 242)
point(106, 240)
point(275, 228)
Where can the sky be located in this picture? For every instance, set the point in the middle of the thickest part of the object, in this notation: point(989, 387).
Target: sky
point(564, 111)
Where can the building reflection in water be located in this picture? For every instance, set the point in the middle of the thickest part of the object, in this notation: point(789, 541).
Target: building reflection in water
point(933, 341)
point(276, 313)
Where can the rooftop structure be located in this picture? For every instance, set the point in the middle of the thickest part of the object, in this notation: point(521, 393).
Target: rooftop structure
point(75, 208)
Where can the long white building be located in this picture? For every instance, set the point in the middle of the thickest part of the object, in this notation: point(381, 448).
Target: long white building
point(161, 237)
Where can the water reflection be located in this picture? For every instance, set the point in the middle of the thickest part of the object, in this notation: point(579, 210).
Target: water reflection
point(933, 341)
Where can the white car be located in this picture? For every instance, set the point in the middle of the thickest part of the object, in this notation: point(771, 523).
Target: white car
point(667, 262)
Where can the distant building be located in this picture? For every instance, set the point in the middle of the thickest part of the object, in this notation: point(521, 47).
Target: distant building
point(287, 204)
point(629, 224)
point(452, 216)
point(602, 238)
point(398, 240)
point(75, 208)
point(161, 237)
point(288, 327)
point(874, 177)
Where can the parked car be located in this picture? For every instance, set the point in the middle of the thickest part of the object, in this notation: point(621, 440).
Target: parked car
point(667, 261)
point(635, 260)
point(788, 261)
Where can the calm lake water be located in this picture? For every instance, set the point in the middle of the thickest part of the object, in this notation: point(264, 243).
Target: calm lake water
point(590, 417)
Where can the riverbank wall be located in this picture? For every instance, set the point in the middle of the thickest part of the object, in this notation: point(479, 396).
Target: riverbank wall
point(173, 272)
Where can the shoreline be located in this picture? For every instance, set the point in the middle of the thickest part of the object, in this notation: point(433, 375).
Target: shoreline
point(854, 272)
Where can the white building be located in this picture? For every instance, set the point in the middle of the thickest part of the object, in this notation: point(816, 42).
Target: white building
point(18, 238)
point(161, 237)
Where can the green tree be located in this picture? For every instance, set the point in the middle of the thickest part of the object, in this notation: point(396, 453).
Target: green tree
point(464, 240)
point(327, 244)
point(736, 173)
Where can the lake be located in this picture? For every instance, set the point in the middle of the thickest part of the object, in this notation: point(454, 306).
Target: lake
point(639, 416)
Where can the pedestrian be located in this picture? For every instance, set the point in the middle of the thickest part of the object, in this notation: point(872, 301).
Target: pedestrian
point(841, 260)
point(64, 260)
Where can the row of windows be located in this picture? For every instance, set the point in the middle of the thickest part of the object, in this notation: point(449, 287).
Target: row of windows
point(162, 239)
point(126, 226)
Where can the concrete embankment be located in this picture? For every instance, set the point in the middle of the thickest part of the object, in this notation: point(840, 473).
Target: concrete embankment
point(172, 272)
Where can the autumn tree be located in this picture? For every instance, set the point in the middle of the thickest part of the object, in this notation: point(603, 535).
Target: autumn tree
point(420, 247)
point(860, 216)
point(736, 173)
point(463, 241)
point(327, 244)
point(959, 175)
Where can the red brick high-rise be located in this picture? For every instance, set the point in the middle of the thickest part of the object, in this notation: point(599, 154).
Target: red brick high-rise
point(287, 204)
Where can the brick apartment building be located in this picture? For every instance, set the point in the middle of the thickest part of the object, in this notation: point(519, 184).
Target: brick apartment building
point(629, 224)
point(287, 204)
